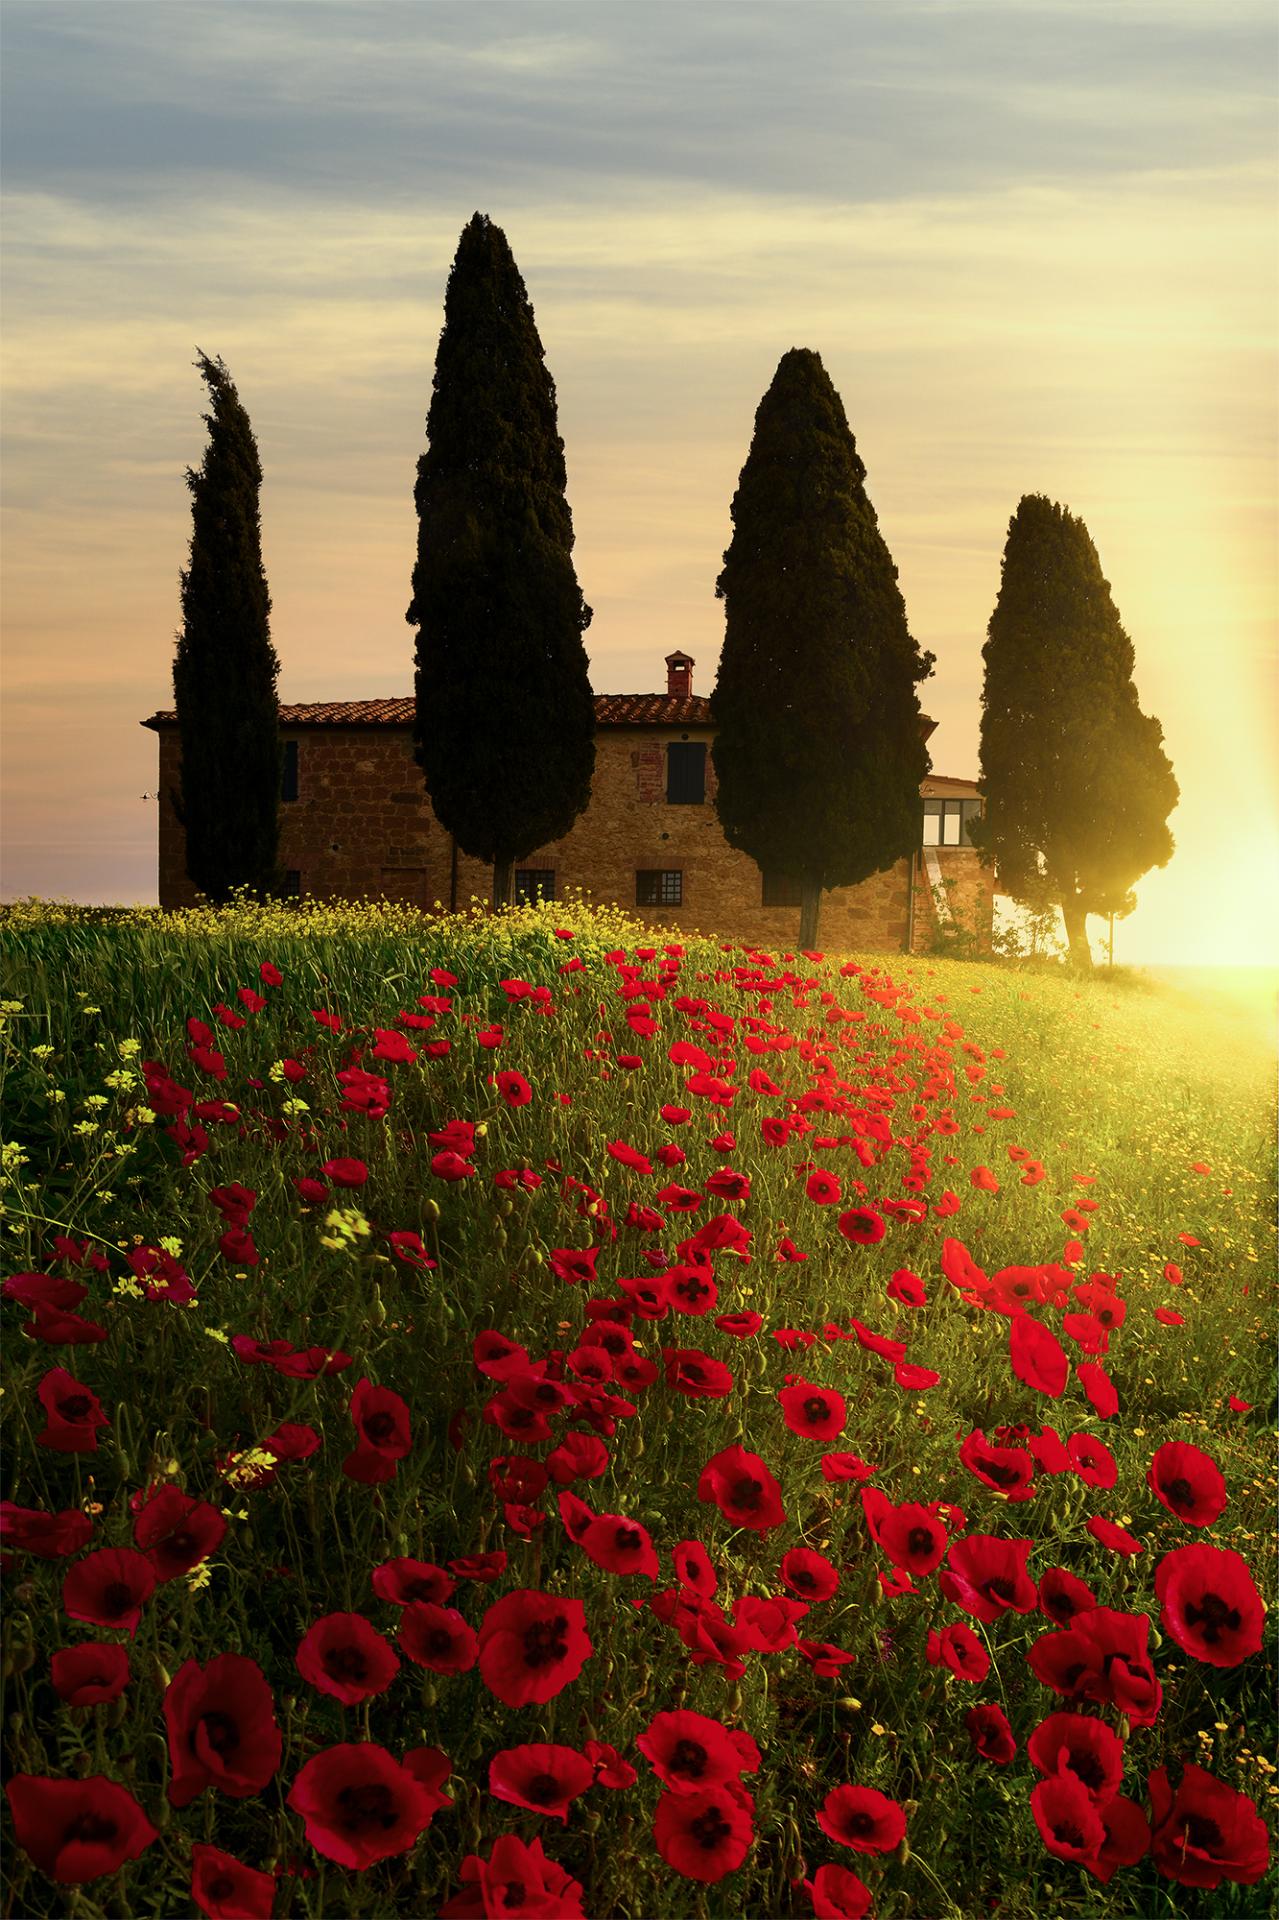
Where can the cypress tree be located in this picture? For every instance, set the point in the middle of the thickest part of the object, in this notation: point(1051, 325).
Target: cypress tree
point(225, 668)
point(819, 750)
point(1077, 785)
point(505, 726)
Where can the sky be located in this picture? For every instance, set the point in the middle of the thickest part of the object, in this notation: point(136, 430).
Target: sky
point(1034, 243)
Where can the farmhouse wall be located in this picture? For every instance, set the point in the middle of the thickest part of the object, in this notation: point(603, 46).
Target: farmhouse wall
point(362, 826)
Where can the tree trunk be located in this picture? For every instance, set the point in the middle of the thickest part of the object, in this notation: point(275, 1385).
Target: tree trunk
point(501, 884)
point(1075, 917)
point(810, 900)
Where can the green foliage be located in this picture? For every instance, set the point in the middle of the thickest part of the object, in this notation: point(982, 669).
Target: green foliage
point(819, 752)
point(1078, 787)
point(505, 730)
point(225, 668)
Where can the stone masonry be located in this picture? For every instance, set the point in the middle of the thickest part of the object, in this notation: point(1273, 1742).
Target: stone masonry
point(362, 827)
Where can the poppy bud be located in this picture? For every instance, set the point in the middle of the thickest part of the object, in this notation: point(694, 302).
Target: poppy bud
point(506, 1208)
point(431, 1208)
point(378, 1310)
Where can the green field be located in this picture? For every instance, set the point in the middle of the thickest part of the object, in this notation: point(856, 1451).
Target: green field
point(1125, 1126)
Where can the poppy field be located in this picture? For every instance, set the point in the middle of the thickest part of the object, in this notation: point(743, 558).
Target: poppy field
point(524, 1417)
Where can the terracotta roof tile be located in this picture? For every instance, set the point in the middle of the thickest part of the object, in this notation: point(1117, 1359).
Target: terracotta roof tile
point(611, 710)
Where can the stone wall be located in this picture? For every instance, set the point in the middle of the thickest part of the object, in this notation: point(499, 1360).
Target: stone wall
point(362, 826)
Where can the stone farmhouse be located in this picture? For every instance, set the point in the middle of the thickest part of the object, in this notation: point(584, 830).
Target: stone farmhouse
point(356, 822)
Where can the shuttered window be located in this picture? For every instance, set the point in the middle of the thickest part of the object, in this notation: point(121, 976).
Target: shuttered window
point(686, 773)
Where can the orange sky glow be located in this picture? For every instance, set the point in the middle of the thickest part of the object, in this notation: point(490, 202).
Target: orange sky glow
point(1035, 246)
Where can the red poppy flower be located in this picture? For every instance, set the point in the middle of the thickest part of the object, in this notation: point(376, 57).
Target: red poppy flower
point(408, 1247)
point(1062, 1596)
point(400, 1581)
point(447, 1165)
point(1092, 1460)
point(824, 1658)
point(1127, 1836)
point(73, 1414)
point(809, 1575)
point(958, 1648)
point(545, 1779)
point(88, 1675)
point(818, 1413)
point(514, 1088)
point(437, 1637)
point(1009, 1470)
point(693, 1568)
point(611, 1770)
point(225, 1889)
point(1103, 1656)
point(695, 1374)
point(1206, 1832)
point(480, 1566)
point(222, 1729)
point(571, 1265)
point(740, 1325)
point(619, 1545)
point(846, 1466)
point(1211, 1606)
point(823, 1188)
point(1098, 1386)
point(77, 1830)
point(911, 1536)
point(1189, 1483)
point(907, 1288)
point(1077, 1744)
point(1112, 1535)
point(109, 1588)
point(176, 1531)
point(743, 1489)
point(766, 1625)
point(862, 1818)
point(381, 1421)
point(343, 1656)
point(50, 1536)
point(359, 1804)
point(987, 1576)
point(346, 1173)
point(1038, 1357)
point(863, 1226)
point(727, 1184)
point(531, 1645)
point(837, 1894)
point(707, 1834)
point(516, 1882)
point(990, 1733)
point(1068, 1820)
point(690, 1752)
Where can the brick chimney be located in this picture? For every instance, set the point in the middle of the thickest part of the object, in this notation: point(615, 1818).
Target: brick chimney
point(679, 674)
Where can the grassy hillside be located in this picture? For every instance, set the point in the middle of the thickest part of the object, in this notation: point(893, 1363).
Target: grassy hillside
point(1000, 1229)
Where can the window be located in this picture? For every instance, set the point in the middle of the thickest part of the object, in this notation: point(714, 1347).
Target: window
point(780, 889)
point(289, 774)
point(292, 884)
point(946, 822)
point(686, 773)
point(656, 887)
point(534, 883)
